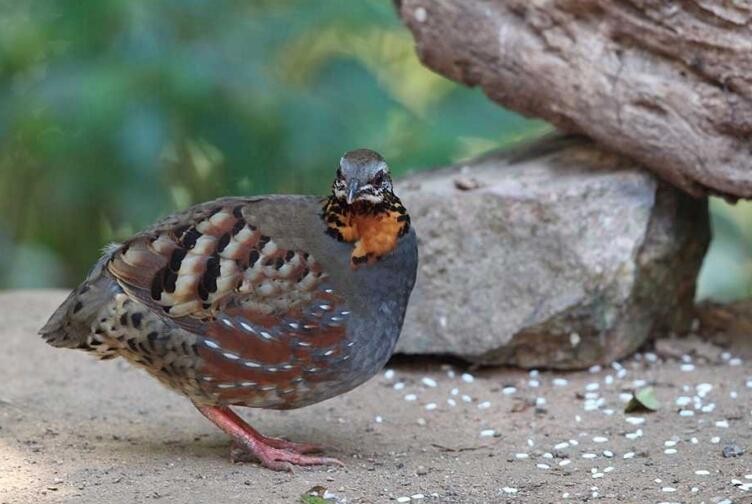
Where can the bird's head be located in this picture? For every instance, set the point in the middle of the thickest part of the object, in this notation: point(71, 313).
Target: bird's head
point(363, 208)
point(362, 179)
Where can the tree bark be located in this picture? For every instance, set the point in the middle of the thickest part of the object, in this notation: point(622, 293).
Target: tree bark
point(667, 82)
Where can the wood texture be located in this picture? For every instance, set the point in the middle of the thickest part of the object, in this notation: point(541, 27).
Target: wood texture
point(668, 83)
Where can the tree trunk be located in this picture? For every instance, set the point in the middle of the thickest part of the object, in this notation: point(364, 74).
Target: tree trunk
point(667, 82)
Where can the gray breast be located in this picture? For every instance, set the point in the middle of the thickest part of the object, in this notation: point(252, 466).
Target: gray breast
point(378, 298)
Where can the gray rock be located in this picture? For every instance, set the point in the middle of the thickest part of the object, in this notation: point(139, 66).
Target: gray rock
point(560, 256)
point(732, 450)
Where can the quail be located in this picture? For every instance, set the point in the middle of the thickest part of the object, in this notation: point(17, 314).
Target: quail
point(273, 302)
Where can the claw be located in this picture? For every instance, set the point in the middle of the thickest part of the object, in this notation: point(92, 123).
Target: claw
point(249, 444)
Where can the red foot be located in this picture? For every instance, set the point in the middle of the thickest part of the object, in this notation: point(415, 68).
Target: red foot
point(276, 454)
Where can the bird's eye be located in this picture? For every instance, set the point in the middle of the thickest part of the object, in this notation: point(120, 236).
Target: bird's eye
point(339, 172)
point(378, 179)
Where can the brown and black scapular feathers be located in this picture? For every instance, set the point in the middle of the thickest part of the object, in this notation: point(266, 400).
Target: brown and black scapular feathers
point(268, 302)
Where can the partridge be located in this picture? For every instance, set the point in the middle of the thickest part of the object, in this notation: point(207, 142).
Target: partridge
point(271, 302)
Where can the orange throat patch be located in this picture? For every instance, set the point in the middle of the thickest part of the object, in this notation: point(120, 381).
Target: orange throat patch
point(374, 230)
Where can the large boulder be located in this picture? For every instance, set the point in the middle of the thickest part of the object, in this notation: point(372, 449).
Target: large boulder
point(561, 256)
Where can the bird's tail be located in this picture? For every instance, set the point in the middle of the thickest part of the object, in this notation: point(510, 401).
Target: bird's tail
point(71, 324)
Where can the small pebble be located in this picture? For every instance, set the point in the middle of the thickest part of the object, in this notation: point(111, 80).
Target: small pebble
point(668, 489)
point(595, 369)
point(487, 433)
point(389, 374)
point(468, 378)
point(429, 382)
point(455, 391)
point(533, 383)
point(543, 466)
point(670, 451)
point(608, 454)
point(431, 406)
point(378, 419)
point(508, 390)
point(732, 450)
point(467, 398)
point(715, 440)
point(561, 446)
point(687, 367)
point(635, 420)
point(736, 361)
point(590, 387)
point(417, 496)
point(521, 456)
point(703, 389)
point(509, 490)
point(702, 472)
point(669, 443)
point(589, 456)
point(686, 413)
point(634, 435)
point(629, 455)
point(403, 499)
point(600, 439)
point(723, 424)
point(484, 405)
point(399, 386)
point(411, 397)
point(451, 402)
point(565, 462)
point(561, 382)
point(683, 401)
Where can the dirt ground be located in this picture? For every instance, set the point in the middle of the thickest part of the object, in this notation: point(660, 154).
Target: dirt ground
point(73, 429)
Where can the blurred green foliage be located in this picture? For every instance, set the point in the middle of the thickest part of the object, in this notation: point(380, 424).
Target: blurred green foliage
point(115, 112)
point(727, 271)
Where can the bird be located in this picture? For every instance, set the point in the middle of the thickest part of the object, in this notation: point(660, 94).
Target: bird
point(272, 302)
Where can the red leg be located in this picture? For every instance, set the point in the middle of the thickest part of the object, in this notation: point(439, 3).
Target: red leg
point(244, 435)
point(282, 444)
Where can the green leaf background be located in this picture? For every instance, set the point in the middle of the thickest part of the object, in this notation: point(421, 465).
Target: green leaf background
point(115, 112)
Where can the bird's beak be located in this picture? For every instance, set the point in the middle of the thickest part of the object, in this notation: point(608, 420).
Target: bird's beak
point(352, 190)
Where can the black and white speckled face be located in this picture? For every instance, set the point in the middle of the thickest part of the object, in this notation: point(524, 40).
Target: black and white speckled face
point(363, 176)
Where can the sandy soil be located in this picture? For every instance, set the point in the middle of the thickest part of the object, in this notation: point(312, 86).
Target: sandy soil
point(73, 429)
